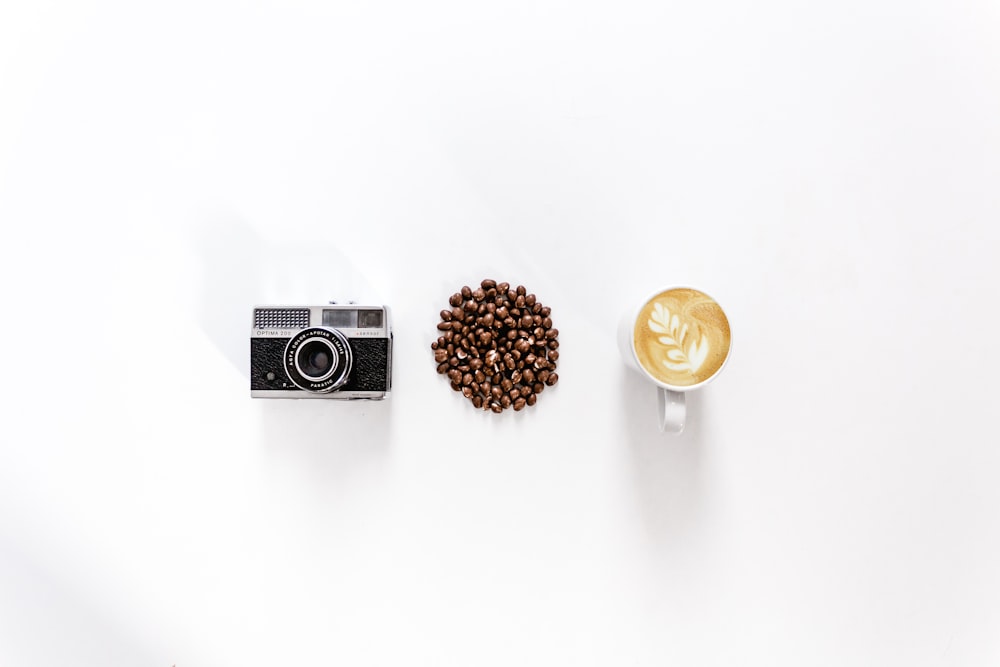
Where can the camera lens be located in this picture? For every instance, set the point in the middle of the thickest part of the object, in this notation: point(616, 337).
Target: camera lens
point(315, 359)
point(318, 359)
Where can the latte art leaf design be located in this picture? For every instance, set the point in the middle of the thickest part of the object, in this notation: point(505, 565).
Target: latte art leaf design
point(687, 346)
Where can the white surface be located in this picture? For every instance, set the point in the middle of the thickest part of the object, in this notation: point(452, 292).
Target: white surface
point(828, 171)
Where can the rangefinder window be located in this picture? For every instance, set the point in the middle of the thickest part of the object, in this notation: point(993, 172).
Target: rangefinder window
point(370, 319)
point(340, 319)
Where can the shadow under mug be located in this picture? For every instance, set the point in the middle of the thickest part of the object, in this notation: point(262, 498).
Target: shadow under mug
point(671, 403)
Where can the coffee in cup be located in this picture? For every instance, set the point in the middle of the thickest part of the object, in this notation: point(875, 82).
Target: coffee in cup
point(681, 337)
point(678, 339)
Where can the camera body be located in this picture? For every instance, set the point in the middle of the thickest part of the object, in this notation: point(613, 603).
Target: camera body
point(341, 351)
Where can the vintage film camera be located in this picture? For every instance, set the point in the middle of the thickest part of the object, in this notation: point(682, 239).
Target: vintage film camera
point(334, 351)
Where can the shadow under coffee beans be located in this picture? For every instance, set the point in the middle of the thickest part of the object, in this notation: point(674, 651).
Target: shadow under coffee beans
point(497, 345)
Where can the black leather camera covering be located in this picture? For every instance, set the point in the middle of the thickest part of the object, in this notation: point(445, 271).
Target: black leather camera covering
point(370, 371)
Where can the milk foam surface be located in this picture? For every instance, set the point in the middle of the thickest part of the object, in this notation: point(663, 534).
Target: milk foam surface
point(682, 337)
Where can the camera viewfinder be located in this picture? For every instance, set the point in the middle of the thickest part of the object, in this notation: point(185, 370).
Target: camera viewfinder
point(340, 319)
point(370, 319)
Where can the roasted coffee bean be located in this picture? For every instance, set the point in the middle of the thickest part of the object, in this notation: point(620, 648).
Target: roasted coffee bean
point(497, 345)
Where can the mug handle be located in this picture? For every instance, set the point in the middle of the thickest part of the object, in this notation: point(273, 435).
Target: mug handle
point(673, 410)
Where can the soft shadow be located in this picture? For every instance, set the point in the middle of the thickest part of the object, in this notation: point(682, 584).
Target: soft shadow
point(239, 270)
point(230, 276)
point(42, 598)
point(332, 442)
point(667, 469)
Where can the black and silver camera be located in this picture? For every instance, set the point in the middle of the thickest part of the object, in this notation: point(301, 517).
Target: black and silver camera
point(333, 351)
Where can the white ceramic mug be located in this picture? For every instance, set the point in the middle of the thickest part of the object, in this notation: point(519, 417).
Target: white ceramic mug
point(683, 333)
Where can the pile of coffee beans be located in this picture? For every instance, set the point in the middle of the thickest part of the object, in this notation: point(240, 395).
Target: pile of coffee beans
point(497, 346)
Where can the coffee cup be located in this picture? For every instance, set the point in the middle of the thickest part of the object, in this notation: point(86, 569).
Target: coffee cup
point(678, 339)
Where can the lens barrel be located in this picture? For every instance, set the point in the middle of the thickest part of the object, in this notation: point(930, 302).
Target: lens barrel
point(318, 359)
